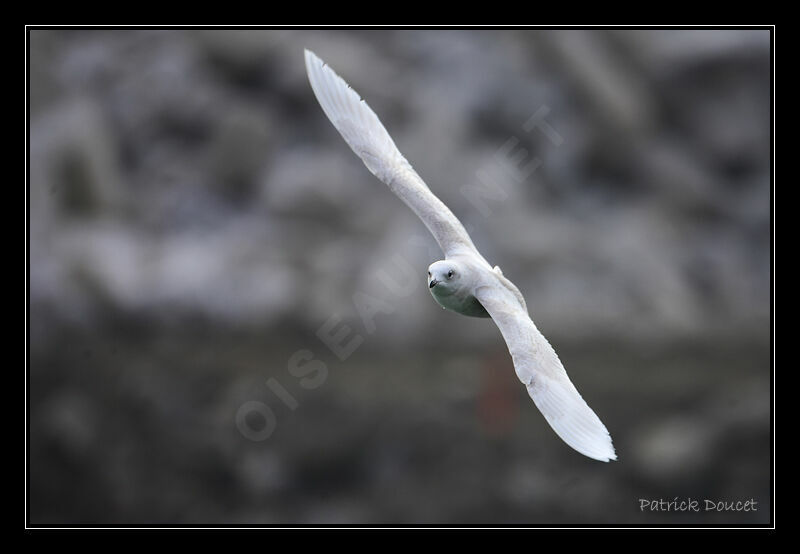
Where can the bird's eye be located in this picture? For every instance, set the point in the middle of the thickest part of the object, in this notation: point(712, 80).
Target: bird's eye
point(450, 274)
point(429, 274)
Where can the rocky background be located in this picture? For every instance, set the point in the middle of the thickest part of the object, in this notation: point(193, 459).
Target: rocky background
point(228, 314)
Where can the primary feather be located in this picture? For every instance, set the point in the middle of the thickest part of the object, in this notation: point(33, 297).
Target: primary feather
point(366, 135)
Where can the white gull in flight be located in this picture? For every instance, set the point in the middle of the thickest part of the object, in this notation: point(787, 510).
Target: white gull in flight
point(464, 281)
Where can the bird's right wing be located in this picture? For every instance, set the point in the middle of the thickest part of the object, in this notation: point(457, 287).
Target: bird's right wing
point(368, 138)
point(540, 370)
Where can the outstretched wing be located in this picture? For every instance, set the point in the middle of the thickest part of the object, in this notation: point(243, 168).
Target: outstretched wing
point(539, 368)
point(368, 138)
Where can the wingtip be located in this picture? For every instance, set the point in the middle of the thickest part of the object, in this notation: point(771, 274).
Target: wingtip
point(600, 457)
point(609, 455)
point(602, 448)
point(309, 56)
point(312, 60)
point(572, 419)
point(605, 458)
point(598, 447)
point(608, 458)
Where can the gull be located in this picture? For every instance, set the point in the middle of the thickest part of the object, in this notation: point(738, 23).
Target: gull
point(464, 281)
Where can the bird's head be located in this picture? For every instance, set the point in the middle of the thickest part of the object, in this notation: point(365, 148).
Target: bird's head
point(444, 277)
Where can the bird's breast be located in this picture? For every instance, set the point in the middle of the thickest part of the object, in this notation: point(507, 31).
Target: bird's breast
point(467, 305)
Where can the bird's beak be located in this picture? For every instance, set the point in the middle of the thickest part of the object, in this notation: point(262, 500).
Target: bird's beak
point(433, 283)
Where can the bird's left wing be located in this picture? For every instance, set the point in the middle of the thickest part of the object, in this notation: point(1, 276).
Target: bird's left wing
point(368, 138)
point(540, 370)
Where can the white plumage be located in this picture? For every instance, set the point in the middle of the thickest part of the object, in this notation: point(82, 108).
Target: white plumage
point(464, 278)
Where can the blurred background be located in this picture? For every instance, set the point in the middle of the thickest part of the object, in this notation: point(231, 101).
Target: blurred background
point(229, 321)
